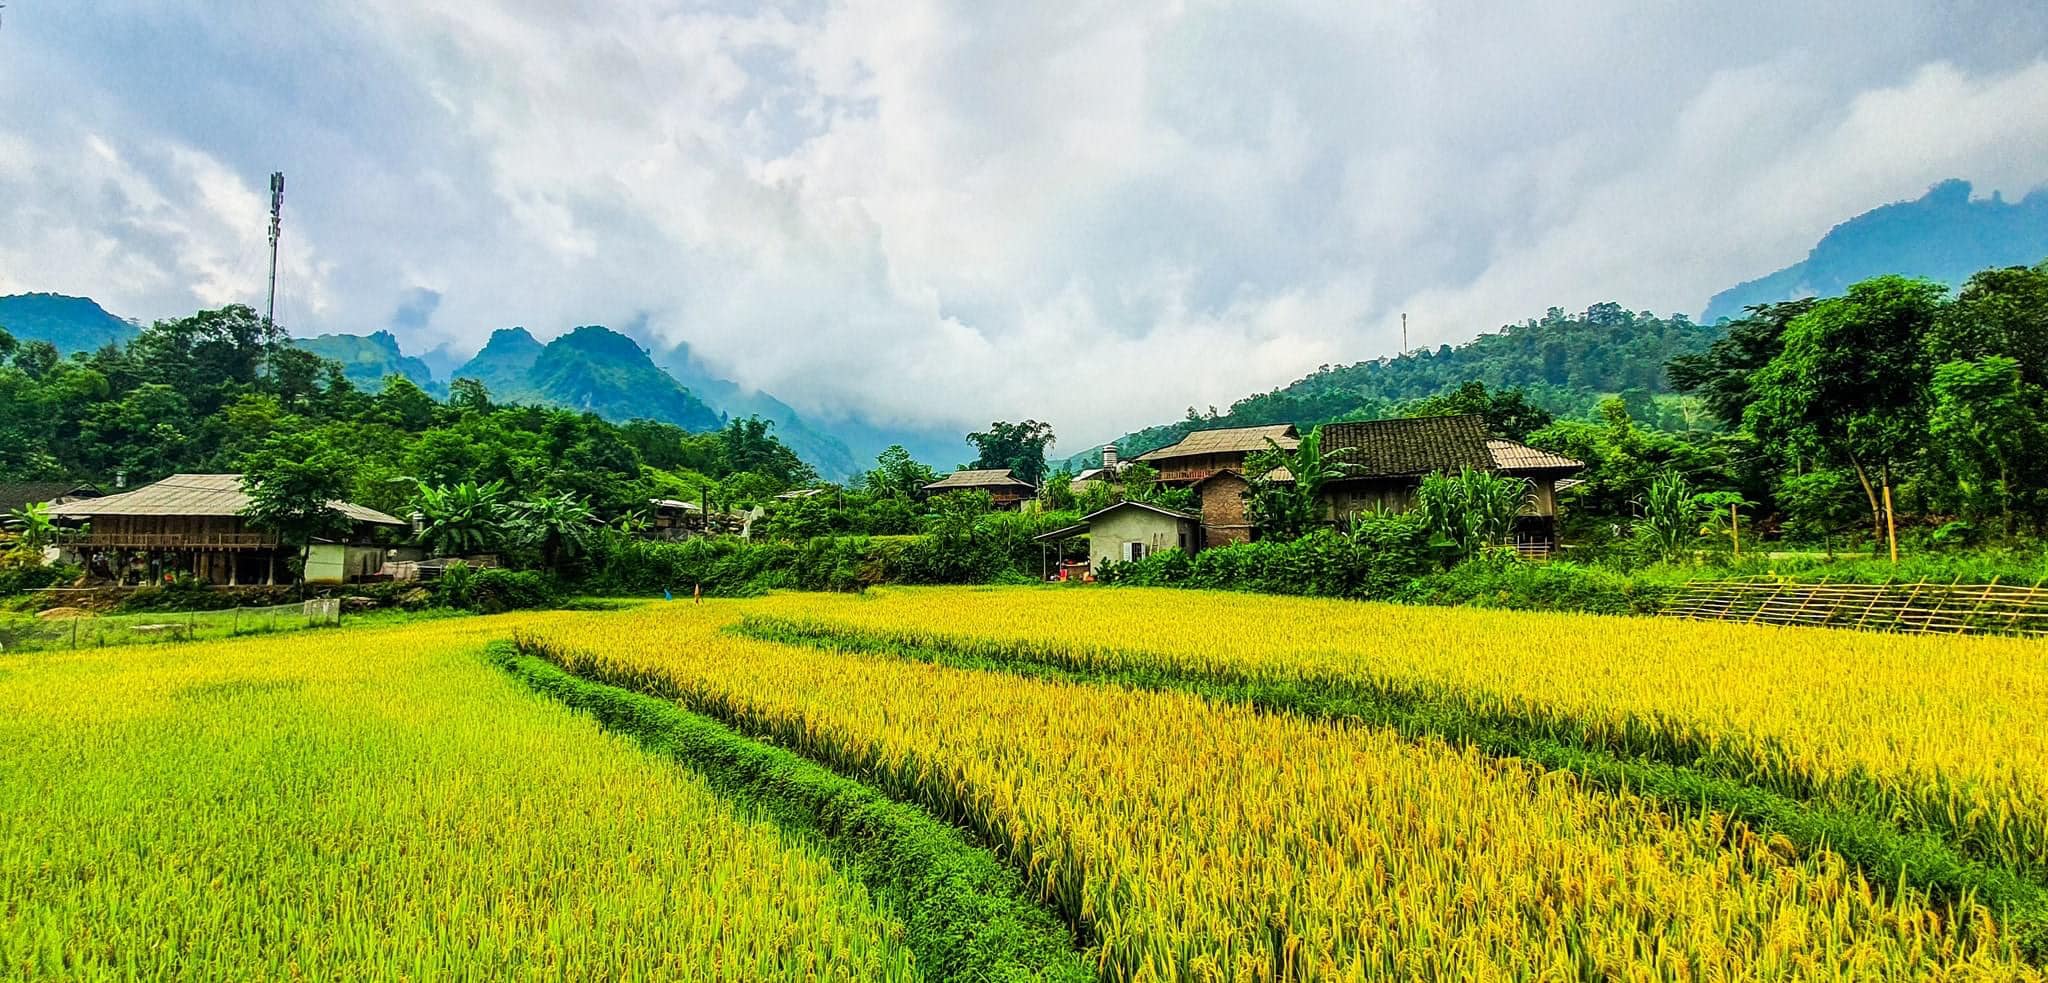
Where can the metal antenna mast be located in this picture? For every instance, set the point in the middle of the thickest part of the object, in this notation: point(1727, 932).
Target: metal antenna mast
point(276, 208)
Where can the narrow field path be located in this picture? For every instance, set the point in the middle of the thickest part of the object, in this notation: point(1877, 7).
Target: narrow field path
point(969, 916)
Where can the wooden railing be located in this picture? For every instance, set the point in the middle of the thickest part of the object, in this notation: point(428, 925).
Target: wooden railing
point(1916, 608)
point(172, 541)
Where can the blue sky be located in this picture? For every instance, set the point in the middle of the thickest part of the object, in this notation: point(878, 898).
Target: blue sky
point(1092, 213)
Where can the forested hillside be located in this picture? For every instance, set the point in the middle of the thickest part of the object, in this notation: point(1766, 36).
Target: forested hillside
point(1562, 362)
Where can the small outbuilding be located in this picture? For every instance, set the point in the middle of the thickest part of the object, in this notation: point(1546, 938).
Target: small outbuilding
point(1130, 531)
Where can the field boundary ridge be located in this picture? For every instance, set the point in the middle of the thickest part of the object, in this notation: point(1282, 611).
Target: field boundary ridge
point(969, 917)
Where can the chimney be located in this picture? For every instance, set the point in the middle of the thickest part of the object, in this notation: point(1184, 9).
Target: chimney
point(1109, 456)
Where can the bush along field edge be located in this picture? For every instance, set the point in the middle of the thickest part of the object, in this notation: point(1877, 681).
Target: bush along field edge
point(968, 916)
point(1680, 775)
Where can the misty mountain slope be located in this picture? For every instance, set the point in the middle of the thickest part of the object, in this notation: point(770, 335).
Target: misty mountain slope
point(73, 324)
point(367, 359)
point(1942, 235)
point(817, 447)
point(592, 368)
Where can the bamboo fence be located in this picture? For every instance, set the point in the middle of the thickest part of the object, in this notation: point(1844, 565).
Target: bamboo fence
point(1914, 608)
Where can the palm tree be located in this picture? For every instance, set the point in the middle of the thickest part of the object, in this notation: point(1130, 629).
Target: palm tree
point(462, 518)
point(561, 525)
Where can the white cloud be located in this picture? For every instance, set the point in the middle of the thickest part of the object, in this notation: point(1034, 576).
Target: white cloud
point(943, 213)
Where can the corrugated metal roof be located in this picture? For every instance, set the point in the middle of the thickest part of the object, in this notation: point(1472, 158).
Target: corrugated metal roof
point(987, 478)
point(194, 494)
point(1511, 455)
point(1408, 447)
point(1233, 440)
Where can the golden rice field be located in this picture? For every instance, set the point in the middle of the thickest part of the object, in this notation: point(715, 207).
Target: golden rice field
point(1200, 840)
point(379, 805)
point(1945, 732)
point(386, 803)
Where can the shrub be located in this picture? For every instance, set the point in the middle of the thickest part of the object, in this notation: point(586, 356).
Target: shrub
point(1383, 554)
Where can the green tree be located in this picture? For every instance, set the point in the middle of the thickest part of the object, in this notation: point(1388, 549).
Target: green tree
point(2000, 312)
point(1721, 375)
point(1019, 447)
point(462, 518)
point(469, 397)
point(1986, 428)
point(294, 483)
point(1850, 383)
point(897, 473)
point(1508, 412)
point(750, 445)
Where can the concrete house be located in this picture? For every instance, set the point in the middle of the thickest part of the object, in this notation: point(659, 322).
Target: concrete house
point(193, 523)
point(1007, 489)
point(1130, 531)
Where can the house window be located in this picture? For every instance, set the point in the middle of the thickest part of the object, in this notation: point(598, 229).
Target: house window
point(1133, 552)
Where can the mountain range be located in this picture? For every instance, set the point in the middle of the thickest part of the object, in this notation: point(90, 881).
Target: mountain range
point(1943, 235)
point(590, 368)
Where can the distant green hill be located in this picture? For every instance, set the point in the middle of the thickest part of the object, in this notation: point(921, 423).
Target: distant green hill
point(503, 364)
point(1564, 362)
point(591, 368)
point(73, 324)
point(1943, 235)
point(366, 360)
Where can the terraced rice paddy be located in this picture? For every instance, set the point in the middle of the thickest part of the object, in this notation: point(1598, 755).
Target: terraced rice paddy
point(1145, 785)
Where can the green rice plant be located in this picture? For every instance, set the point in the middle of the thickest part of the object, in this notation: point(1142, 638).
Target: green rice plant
point(381, 805)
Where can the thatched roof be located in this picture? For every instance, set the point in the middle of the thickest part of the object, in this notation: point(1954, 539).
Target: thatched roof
point(1233, 440)
point(987, 478)
point(1425, 445)
point(194, 495)
point(1405, 448)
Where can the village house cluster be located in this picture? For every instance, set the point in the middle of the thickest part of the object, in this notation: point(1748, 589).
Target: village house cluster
point(1385, 462)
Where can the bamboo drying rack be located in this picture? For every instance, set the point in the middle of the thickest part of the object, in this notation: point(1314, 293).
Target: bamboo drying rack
point(1914, 608)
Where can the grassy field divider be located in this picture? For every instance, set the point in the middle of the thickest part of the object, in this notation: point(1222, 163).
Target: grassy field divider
point(969, 916)
point(1887, 854)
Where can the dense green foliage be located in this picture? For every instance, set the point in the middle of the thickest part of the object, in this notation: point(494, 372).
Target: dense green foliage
point(220, 392)
point(1020, 447)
